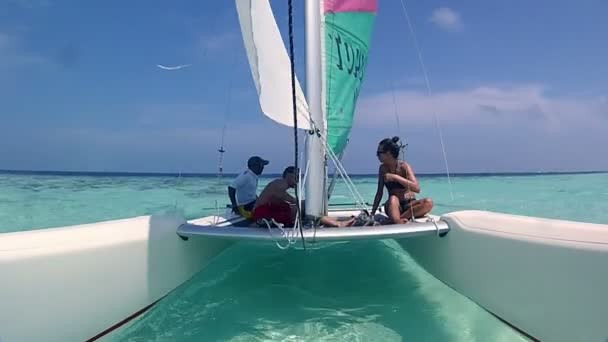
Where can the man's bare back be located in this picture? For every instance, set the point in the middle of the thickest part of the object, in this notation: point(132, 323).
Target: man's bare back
point(275, 192)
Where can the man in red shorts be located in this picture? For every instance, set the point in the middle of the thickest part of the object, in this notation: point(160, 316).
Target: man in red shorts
point(275, 203)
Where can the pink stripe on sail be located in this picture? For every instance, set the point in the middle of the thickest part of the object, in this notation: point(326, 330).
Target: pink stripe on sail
point(351, 6)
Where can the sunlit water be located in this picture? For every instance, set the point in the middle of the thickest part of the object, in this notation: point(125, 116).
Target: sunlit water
point(359, 291)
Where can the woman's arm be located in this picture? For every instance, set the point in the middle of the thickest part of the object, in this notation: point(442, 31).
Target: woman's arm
point(410, 183)
point(379, 190)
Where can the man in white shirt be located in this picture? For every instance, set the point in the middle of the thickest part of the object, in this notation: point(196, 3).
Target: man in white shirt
point(243, 190)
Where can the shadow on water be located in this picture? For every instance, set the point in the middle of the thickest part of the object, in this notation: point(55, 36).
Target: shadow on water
point(344, 291)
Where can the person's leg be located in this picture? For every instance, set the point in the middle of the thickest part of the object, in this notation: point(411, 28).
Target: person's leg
point(294, 210)
point(392, 209)
point(247, 210)
point(333, 222)
point(418, 208)
point(249, 206)
point(280, 213)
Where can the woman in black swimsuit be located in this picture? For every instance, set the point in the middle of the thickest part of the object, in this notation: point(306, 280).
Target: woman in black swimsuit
point(401, 184)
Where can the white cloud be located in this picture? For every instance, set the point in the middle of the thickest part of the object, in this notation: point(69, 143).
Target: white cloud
point(512, 128)
point(486, 128)
point(483, 105)
point(446, 19)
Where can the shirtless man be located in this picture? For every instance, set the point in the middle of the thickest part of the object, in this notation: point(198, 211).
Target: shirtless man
point(276, 203)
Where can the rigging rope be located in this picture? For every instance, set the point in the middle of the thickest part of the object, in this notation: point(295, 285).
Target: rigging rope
point(221, 150)
point(342, 171)
point(339, 167)
point(332, 185)
point(396, 111)
point(349, 183)
point(429, 92)
point(295, 116)
point(402, 147)
point(289, 239)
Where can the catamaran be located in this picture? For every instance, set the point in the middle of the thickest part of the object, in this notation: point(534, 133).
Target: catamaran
point(545, 278)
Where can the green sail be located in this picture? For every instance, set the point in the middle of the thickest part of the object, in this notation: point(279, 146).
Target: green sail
point(347, 40)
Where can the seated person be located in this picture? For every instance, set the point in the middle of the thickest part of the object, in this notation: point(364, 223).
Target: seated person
point(243, 190)
point(401, 183)
point(276, 203)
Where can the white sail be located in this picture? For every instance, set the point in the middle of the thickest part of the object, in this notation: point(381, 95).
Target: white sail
point(269, 63)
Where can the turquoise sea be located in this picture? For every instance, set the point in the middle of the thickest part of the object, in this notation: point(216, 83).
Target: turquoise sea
point(358, 291)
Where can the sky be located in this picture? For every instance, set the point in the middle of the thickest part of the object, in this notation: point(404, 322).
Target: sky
point(518, 86)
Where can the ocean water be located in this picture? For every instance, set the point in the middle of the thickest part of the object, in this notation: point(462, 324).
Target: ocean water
point(357, 291)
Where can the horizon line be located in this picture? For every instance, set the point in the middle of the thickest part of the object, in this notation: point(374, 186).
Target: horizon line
point(232, 174)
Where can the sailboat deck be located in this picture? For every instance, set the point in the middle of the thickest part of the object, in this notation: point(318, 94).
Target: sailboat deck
point(235, 228)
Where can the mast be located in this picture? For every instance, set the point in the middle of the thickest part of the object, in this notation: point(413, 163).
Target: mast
point(315, 194)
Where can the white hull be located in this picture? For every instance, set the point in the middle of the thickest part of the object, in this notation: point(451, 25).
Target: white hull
point(72, 283)
point(547, 278)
